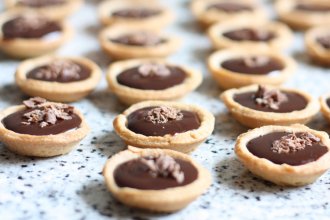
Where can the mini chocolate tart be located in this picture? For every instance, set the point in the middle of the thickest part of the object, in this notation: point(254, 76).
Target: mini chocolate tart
point(325, 106)
point(209, 12)
point(121, 42)
point(157, 124)
point(291, 156)
point(155, 179)
point(53, 9)
point(62, 79)
point(255, 106)
point(233, 68)
point(249, 35)
point(135, 13)
point(304, 14)
point(317, 43)
point(151, 79)
point(29, 34)
point(42, 129)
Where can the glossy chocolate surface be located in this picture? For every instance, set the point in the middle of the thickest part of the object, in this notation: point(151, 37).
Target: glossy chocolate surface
point(84, 73)
point(41, 3)
point(135, 174)
point(310, 7)
point(239, 65)
point(295, 102)
point(138, 123)
point(133, 79)
point(50, 30)
point(136, 13)
point(230, 7)
point(328, 102)
point(249, 34)
point(261, 147)
point(14, 121)
point(324, 41)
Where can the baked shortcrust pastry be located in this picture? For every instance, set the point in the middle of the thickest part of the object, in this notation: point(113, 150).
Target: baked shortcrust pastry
point(317, 43)
point(304, 14)
point(151, 79)
point(255, 106)
point(122, 42)
point(155, 179)
point(325, 106)
point(209, 12)
point(30, 34)
point(54, 9)
point(42, 129)
point(63, 79)
point(292, 156)
point(258, 34)
point(233, 68)
point(159, 124)
point(137, 13)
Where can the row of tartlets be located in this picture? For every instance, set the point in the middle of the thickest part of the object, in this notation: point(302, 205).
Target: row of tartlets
point(163, 131)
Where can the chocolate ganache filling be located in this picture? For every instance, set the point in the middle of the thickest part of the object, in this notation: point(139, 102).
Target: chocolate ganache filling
point(249, 34)
point(162, 120)
point(271, 100)
point(142, 38)
point(324, 41)
point(40, 3)
point(42, 118)
point(155, 173)
point(63, 71)
point(30, 26)
point(288, 148)
point(328, 102)
point(152, 77)
point(260, 65)
point(230, 7)
point(312, 7)
point(136, 13)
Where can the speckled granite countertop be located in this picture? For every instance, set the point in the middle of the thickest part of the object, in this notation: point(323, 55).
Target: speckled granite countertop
point(72, 187)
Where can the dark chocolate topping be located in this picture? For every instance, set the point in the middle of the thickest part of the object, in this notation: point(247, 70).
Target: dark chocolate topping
point(312, 7)
point(40, 3)
point(324, 41)
point(152, 77)
point(260, 65)
point(136, 13)
point(292, 102)
point(148, 122)
point(262, 147)
point(42, 118)
point(136, 174)
point(230, 7)
point(328, 102)
point(139, 39)
point(249, 34)
point(31, 26)
point(64, 71)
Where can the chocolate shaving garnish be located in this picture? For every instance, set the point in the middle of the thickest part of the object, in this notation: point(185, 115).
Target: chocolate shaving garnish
point(59, 69)
point(136, 12)
point(163, 166)
point(30, 22)
point(154, 69)
point(46, 113)
point(271, 98)
point(139, 38)
point(292, 142)
point(256, 61)
point(163, 114)
point(34, 102)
